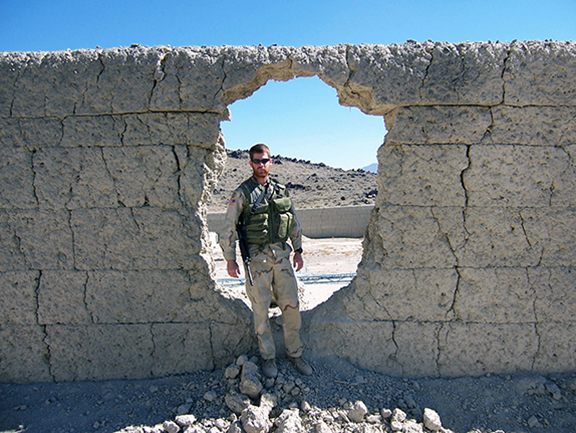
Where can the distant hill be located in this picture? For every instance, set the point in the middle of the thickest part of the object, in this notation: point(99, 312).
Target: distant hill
point(310, 185)
point(372, 168)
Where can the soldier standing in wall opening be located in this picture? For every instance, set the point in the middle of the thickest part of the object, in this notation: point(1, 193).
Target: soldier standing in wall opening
point(262, 217)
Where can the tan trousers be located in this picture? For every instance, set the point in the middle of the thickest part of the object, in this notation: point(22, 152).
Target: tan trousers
point(273, 274)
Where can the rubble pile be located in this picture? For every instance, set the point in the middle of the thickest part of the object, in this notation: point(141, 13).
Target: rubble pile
point(256, 404)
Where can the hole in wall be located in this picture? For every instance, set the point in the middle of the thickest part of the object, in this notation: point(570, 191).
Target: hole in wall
point(327, 155)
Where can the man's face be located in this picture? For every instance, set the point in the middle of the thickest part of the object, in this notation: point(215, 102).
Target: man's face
point(261, 164)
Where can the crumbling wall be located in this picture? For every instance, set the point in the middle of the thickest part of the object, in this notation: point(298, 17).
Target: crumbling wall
point(107, 158)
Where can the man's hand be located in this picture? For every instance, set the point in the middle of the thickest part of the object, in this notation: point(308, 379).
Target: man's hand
point(298, 261)
point(233, 268)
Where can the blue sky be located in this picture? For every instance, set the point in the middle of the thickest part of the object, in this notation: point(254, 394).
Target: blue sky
point(300, 118)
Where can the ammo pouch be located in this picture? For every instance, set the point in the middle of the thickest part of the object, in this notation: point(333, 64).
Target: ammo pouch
point(257, 230)
point(284, 219)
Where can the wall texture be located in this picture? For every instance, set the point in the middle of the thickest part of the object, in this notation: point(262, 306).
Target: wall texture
point(107, 158)
point(333, 222)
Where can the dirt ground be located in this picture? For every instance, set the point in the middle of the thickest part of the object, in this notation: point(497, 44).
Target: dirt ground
point(506, 403)
point(330, 257)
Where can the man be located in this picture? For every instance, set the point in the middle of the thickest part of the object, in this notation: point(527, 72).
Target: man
point(265, 211)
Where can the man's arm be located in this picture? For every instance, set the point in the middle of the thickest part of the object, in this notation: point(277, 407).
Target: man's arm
point(233, 268)
point(296, 240)
point(298, 261)
point(228, 235)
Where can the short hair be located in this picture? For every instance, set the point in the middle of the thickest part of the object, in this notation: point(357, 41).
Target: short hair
point(259, 148)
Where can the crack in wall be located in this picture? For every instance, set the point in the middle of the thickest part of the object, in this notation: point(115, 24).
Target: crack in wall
point(396, 345)
point(26, 259)
point(85, 298)
point(159, 74)
point(437, 333)
point(73, 235)
point(112, 178)
point(178, 174)
point(538, 346)
point(451, 313)
point(153, 353)
point(463, 176)
point(43, 327)
point(522, 224)
point(503, 74)
point(37, 296)
point(34, 187)
point(211, 340)
point(430, 51)
point(462, 58)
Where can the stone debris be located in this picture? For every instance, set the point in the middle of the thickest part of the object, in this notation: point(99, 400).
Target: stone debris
point(334, 400)
point(282, 408)
point(250, 383)
point(256, 419)
point(358, 411)
point(432, 420)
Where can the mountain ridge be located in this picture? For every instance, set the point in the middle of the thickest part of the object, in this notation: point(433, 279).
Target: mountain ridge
point(311, 185)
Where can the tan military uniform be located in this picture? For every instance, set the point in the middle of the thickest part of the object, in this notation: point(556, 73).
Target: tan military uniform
point(273, 275)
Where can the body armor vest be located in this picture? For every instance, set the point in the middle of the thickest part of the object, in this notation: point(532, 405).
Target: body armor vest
point(271, 220)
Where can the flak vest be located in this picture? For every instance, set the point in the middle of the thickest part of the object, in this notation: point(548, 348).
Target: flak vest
point(271, 220)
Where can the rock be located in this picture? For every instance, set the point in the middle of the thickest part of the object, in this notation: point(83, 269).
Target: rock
point(221, 423)
point(322, 427)
point(250, 380)
point(410, 402)
point(357, 412)
point(237, 402)
point(255, 419)
point(268, 400)
point(288, 387)
point(241, 360)
point(553, 389)
point(412, 426)
point(183, 409)
point(185, 420)
point(398, 415)
point(533, 422)
point(432, 420)
point(374, 419)
point(397, 420)
point(234, 428)
point(210, 396)
point(386, 413)
point(232, 371)
point(170, 427)
point(289, 422)
point(196, 428)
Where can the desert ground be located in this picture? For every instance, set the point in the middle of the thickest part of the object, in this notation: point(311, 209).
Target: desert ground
point(333, 261)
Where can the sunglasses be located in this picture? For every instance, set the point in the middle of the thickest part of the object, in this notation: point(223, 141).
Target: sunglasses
point(258, 161)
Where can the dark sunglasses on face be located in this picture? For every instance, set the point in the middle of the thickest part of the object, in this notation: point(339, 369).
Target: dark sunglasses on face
point(258, 161)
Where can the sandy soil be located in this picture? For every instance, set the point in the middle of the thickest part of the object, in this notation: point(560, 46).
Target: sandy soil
point(330, 257)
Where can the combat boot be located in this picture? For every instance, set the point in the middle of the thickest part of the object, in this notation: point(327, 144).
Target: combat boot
point(301, 365)
point(269, 368)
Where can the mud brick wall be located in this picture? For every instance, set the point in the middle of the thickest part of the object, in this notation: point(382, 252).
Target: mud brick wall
point(107, 158)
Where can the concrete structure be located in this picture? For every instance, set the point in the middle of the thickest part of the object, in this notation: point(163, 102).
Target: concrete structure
point(107, 158)
point(334, 222)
